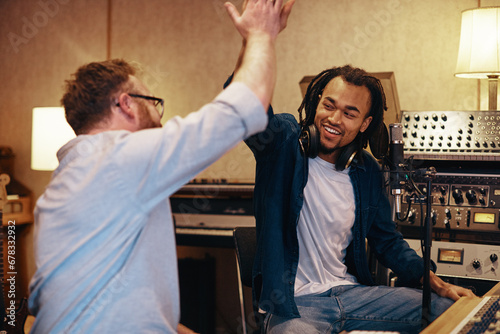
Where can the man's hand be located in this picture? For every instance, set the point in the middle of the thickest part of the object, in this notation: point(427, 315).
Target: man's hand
point(448, 290)
point(259, 24)
point(260, 16)
point(181, 329)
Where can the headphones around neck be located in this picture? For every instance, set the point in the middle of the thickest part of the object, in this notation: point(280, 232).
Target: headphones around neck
point(309, 145)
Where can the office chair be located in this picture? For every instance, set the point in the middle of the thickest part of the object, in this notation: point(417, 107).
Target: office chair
point(245, 243)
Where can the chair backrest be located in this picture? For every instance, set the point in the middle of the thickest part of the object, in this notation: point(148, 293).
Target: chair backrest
point(245, 243)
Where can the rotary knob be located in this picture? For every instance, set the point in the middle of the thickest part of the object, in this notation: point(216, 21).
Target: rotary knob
point(493, 258)
point(443, 189)
point(471, 196)
point(457, 195)
point(476, 264)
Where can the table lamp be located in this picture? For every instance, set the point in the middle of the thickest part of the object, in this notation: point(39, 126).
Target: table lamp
point(50, 131)
point(479, 51)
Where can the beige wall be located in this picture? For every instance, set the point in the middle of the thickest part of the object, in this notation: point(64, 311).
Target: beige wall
point(188, 48)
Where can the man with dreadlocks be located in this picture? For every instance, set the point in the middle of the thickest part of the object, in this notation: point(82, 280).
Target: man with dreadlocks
point(316, 204)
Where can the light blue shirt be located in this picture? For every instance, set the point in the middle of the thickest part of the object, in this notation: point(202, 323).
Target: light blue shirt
point(104, 237)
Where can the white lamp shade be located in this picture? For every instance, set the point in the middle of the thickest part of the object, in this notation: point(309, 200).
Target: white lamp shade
point(479, 52)
point(50, 131)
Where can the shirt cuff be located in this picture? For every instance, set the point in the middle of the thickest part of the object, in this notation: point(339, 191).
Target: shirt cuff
point(247, 105)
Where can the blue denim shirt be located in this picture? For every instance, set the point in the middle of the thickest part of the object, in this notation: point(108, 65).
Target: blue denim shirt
point(281, 176)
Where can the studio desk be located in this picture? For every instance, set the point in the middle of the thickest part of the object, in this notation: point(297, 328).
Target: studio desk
point(206, 213)
point(470, 315)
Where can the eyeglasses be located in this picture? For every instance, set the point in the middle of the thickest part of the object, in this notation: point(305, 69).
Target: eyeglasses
point(157, 101)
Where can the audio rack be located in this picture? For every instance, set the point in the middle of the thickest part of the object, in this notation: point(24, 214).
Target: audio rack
point(452, 135)
point(464, 146)
point(465, 202)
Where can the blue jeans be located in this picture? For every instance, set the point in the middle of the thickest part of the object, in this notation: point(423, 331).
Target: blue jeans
point(358, 307)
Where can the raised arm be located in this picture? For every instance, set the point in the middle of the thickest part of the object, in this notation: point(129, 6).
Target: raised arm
point(259, 25)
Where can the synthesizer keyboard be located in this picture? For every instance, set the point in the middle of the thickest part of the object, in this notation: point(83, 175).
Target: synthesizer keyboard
point(483, 319)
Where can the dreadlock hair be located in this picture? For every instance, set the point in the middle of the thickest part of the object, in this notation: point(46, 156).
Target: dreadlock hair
point(355, 76)
point(88, 97)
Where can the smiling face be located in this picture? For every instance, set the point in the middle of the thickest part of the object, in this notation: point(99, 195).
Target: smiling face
point(341, 114)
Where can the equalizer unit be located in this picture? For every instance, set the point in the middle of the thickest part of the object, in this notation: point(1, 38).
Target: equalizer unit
point(464, 147)
point(452, 135)
point(465, 202)
point(457, 154)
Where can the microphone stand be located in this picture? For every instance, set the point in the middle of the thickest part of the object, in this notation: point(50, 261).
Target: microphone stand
point(429, 174)
point(426, 250)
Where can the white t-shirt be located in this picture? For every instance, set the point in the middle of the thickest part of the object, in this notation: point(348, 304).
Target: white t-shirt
point(324, 229)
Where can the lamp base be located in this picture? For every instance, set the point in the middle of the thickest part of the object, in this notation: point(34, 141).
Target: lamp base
point(493, 90)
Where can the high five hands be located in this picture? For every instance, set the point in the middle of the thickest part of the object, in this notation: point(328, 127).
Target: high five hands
point(260, 16)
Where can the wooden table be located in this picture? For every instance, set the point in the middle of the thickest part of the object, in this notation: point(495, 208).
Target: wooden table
point(450, 319)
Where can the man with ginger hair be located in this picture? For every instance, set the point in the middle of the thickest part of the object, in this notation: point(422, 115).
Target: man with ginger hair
point(104, 237)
